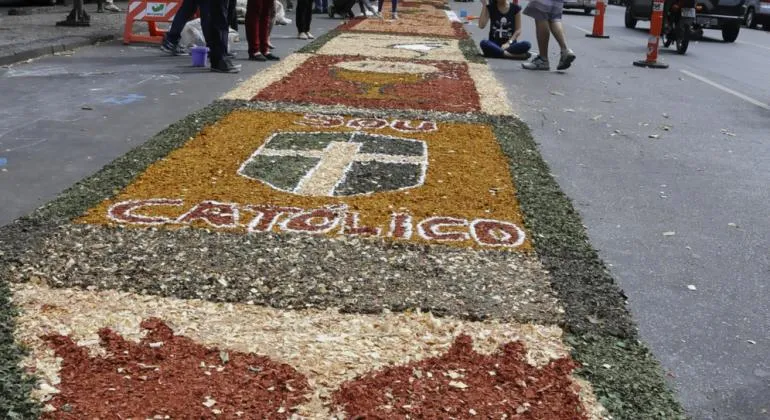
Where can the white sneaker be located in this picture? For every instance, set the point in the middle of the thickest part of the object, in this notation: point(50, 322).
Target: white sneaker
point(537, 63)
point(395, 16)
point(111, 7)
point(309, 35)
point(303, 35)
point(567, 57)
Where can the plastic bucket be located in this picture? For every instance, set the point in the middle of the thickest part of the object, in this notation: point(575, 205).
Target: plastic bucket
point(463, 13)
point(199, 56)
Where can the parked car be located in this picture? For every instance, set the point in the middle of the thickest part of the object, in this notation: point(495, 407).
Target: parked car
point(587, 5)
point(724, 15)
point(758, 13)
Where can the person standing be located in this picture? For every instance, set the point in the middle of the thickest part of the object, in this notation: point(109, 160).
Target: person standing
point(259, 14)
point(547, 15)
point(393, 4)
point(303, 17)
point(504, 32)
point(216, 30)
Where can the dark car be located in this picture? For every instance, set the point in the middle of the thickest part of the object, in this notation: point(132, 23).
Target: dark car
point(725, 15)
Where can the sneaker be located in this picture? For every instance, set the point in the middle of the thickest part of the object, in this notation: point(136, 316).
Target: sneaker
point(225, 66)
point(257, 57)
point(302, 35)
point(395, 16)
point(169, 47)
point(230, 55)
point(271, 57)
point(111, 7)
point(537, 63)
point(309, 35)
point(567, 57)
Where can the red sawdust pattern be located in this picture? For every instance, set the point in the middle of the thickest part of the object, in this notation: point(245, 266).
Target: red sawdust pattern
point(463, 383)
point(147, 379)
point(352, 25)
point(450, 89)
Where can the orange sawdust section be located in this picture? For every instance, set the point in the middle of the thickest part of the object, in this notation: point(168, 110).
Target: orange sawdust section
point(467, 176)
point(423, 20)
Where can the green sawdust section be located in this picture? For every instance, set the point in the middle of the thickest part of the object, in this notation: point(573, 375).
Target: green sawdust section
point(467, 45)
point(598, 326)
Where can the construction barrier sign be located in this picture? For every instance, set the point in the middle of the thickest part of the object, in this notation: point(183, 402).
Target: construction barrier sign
point(151, 12)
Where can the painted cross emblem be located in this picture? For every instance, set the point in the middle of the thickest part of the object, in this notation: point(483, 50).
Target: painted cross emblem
point(337, 164)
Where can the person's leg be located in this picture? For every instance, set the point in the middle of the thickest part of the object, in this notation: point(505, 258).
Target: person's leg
point(380, 3)
point(252, 26)
point(232, 14)
point(521, 47)
point(324, 6)
point(298, 18)
point(490, 49)
point(543, 33)
point(393, 6)
point(265, 18)
point(557, 29)
point(218, 30)
point(185, 12)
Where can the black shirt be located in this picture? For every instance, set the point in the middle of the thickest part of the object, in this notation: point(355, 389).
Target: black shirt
point(502, 25)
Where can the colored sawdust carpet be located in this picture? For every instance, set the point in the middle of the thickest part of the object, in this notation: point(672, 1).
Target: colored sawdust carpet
point(363, 230)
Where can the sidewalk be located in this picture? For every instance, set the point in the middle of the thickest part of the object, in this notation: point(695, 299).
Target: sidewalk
point(33, 35)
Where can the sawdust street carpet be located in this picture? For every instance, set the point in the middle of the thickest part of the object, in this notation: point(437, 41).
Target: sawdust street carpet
point(364, 230)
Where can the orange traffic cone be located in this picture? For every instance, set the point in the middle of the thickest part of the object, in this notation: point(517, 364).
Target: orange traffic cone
point(598, 31)
point(656, 25)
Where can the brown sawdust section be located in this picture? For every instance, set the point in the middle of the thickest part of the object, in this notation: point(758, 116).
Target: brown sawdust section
point(467, 175)
point(318, 81)
point(170, 375)
point(463, 383)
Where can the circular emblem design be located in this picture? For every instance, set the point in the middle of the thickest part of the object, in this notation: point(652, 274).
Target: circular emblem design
point(337, 164)
point(390, 67)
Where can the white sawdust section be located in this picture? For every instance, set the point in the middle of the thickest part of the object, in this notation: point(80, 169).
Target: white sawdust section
point(492, 95)
point(251, 87)
point(326, 346)
point(394, 46)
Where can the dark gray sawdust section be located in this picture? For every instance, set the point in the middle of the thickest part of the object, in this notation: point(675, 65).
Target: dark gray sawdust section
point(289, 271)
point(597, 324)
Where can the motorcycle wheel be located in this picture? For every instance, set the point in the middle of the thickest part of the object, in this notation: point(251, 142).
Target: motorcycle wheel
point(683, 38)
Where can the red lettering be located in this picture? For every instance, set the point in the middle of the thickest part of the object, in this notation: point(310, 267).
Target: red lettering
point(320, 120)
point(433, 229)
point(350, 226)
point(265, 217)
point(406, 126)
point(400, 226)
point(218, 215)
point(314, 221)
point(497, 233)
point(371, 123)
point(124, 212)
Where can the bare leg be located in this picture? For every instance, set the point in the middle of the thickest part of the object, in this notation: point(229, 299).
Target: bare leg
point(543, 32)
point(557, 29)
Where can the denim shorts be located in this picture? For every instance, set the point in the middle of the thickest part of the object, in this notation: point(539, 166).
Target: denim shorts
point(549, 10)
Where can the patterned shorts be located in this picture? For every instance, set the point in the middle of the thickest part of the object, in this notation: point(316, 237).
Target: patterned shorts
point(549, 10)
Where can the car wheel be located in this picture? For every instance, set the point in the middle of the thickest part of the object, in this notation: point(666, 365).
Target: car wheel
point(730, 32)
point(751, 19)
point(630, 21)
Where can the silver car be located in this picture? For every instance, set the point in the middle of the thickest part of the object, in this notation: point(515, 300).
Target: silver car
point(587, 5)
point(758, 13)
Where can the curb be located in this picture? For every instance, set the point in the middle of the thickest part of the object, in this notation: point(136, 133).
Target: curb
point(54, 48)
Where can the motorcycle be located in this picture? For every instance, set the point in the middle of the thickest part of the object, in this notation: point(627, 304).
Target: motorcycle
point(679, 18)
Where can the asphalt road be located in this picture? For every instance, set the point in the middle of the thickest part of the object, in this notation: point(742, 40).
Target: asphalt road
point(64, 117)
point(644, 153)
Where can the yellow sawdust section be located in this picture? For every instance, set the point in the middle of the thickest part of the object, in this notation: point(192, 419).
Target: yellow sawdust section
point(467, 175)
point(326, 346)
point(425, 20)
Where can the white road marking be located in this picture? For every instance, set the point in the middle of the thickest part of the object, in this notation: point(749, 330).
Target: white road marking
point(765, 47)
point(581, 29)
point(728, 90)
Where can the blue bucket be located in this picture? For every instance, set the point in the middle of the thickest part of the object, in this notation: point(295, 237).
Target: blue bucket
point(199, 56)
point(463, 13)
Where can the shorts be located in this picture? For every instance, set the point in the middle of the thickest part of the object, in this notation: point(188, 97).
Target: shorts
point(549, 10)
